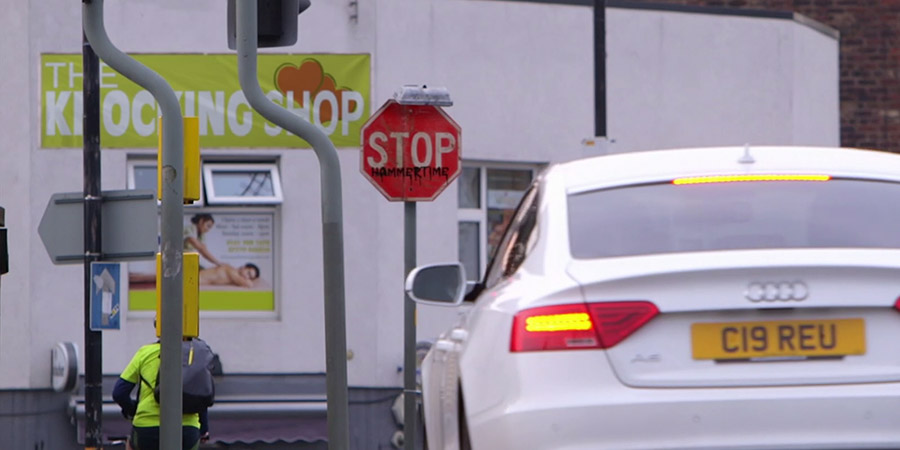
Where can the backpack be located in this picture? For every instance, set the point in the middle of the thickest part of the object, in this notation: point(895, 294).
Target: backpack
point(198, 389)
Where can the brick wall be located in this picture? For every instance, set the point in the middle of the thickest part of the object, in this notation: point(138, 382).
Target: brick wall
point(870, 61)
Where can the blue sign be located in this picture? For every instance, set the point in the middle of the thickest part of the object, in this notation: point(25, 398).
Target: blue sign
point(106, 295)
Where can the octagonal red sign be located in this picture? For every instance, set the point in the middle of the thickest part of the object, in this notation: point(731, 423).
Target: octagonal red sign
point(410, 152)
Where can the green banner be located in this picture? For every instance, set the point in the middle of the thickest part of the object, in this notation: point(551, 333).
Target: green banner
point(330, 91)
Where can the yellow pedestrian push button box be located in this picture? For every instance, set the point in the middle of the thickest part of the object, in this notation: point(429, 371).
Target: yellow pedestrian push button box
point(191, 294)
point(191, 172)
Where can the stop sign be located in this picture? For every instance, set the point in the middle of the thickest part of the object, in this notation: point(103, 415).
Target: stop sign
point(410, 152)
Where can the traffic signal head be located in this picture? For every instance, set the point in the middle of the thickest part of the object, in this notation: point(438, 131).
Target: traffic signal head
point(276, 22)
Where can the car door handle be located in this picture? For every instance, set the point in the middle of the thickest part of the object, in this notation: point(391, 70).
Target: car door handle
point(443, 345)
point(459, 335)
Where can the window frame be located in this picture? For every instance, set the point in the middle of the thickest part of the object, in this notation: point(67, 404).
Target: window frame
point(212, 199)
point(243, 206)
point(134, 162)
point(480, 214)
point(275, 312)
point(131, 164)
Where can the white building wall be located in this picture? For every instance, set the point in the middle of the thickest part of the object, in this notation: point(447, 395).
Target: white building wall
point(521, 75)
point(682, 80)
point(815, 117)
point(16, 116)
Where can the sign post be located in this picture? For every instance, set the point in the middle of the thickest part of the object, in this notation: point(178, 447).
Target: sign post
point(410, 153)
point(91, 239)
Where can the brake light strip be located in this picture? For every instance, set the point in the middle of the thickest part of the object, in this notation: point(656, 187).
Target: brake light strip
point(744, 178)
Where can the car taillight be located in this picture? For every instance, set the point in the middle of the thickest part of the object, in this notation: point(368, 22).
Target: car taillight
point(897, 304)
point(578, 326)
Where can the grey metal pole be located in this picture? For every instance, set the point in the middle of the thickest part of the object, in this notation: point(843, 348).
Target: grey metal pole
point(93, 340)
point(600, 68)
point(410, 391)
point(171, 221)
point(332, 221)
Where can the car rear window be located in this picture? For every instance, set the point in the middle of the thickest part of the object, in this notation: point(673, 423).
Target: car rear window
point(668, 218)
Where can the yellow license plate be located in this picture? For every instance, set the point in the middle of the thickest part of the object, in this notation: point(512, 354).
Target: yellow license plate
point(782, 338)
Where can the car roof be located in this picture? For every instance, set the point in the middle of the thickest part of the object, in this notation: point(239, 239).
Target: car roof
point(605, 171)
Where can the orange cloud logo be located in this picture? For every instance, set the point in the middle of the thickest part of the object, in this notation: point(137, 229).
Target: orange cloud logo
point(310, 77)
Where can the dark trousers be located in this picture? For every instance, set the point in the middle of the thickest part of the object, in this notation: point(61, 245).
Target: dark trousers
point(147, 438)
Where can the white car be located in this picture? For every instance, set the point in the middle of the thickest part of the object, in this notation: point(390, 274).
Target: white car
point(697, 298)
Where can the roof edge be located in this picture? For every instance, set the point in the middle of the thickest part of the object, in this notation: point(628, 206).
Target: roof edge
point(696, 9)
point(827, 30)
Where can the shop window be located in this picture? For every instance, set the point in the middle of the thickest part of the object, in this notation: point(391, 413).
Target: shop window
point(234, 228)
point(488, 196)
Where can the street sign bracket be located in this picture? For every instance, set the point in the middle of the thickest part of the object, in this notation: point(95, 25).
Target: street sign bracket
point(118, 196)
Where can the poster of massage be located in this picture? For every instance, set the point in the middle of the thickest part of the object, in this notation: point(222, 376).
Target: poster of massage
point(237, 262)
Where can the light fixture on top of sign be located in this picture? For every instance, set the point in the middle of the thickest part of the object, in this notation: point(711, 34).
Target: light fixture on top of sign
point(413, 94)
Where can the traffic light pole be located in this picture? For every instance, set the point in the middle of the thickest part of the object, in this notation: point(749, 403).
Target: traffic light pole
point(332, 220)
point(171, 220)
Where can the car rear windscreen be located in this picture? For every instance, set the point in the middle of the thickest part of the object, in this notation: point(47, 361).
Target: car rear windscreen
point(668, 218)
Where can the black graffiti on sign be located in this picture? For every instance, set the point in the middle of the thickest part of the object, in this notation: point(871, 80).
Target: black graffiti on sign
point(411, 172)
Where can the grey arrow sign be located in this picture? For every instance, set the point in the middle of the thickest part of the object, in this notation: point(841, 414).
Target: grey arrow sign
point(129, 226)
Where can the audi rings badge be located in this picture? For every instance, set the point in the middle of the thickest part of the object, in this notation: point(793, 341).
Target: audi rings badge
point(784, 291)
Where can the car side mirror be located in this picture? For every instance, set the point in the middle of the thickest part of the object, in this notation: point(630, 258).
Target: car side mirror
point(437, 284)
